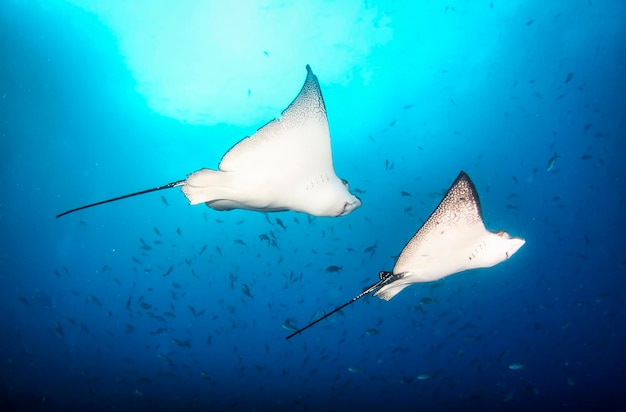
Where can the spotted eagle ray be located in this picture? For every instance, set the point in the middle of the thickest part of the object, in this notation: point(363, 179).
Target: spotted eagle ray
point(453, 239)
point(286, 165)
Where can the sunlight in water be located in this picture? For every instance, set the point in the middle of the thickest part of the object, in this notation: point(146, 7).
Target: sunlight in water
point(227, 62)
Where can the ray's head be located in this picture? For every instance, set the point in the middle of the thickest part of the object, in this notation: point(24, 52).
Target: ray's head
point(503, 248)
point(346, 201)
point(330, 197)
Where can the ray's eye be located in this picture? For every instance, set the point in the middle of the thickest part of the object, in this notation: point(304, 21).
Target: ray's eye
point(345, 183)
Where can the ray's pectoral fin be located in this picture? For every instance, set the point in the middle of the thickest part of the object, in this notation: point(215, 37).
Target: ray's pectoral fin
point(143, 192)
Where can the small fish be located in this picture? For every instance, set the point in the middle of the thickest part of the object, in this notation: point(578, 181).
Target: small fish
point(288, 326)
point(202, 250)
point(241, 242)
point(281, 224)
point(405, 194)
point(145, 305)
point(587, 127)
point(58, 330)
point(370, 248)
point(94, 300)
point(333, 268)
point(169, 271)
point(372, 332)
point(181, 344)
point(164, 358)
point(516, 366)
point(157, 231)
point(427, 301)
point(86, 329)
point(164, 200)
point(317, 314)
point(246, 290)
point(178, 231)
point(551, 162)
point(354, 369)
point(158, 331)
point(264, 238)
point(137, 261)
point(424, 376)
point(569, 77)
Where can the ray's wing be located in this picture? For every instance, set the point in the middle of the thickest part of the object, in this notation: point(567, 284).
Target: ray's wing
point(456, 220)
point(299, 140)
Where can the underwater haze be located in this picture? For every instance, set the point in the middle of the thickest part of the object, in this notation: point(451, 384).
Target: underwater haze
point(151, 304)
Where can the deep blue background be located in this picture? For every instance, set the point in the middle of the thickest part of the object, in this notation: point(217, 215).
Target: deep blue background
point(74, 130)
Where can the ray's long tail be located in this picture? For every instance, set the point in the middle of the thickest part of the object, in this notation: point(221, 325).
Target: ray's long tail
point(154, 189)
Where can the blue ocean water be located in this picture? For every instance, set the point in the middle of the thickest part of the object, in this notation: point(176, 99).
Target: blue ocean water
point(151, 304)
